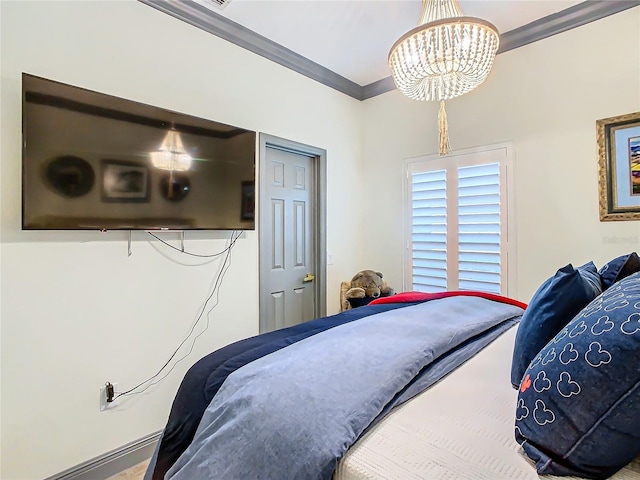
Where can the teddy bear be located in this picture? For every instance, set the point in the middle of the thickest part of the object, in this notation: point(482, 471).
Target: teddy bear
point(367, 285)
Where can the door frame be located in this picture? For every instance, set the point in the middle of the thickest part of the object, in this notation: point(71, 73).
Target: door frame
point(319, 162)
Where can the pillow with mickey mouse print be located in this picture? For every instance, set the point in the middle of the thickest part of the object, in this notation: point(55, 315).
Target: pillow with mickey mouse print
point(577, 411)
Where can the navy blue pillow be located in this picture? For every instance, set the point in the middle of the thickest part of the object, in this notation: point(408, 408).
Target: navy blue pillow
point(577, 411)
point(553, 305)
point(619, 268)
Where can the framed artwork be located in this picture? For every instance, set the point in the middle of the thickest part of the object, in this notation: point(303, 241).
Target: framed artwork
point(619, 167)
point(124, 181)
point(248, 205)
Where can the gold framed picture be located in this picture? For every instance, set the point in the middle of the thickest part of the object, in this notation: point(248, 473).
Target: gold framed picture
point(618, 141)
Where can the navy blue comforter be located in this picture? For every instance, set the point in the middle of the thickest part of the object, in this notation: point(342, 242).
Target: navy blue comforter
point(204, 379)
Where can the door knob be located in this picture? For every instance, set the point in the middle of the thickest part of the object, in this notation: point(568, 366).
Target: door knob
point(309, 277)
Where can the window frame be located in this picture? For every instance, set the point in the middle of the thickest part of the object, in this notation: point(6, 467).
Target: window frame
point(450, 163)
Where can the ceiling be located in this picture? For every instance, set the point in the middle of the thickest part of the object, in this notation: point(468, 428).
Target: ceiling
point(352, 38)
point(345, 43)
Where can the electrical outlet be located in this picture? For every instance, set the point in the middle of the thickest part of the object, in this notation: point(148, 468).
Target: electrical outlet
point(104, 405)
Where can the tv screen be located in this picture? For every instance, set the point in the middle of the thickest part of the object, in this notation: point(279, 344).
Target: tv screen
point(95, 161)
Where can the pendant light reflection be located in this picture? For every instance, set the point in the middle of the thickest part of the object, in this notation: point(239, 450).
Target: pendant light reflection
point(171, 155)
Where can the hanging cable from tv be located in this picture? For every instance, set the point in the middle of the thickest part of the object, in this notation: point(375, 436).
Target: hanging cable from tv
point(206, 308)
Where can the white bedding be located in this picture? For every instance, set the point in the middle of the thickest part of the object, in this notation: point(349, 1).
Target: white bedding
point(461, 428)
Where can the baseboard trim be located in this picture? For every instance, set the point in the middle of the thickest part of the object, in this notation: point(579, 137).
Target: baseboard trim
point(113, 462)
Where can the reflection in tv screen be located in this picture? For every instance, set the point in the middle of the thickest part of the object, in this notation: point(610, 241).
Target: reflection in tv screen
point(95, 161)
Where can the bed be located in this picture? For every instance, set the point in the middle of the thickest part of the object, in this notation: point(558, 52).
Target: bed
point(475, 442)
point(410, 386)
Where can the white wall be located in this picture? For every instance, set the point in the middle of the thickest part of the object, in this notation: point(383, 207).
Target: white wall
point(545, 98)
point(66, 296)
point(76, 311)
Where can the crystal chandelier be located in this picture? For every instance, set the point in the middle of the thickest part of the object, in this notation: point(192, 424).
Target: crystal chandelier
point(171, 155)
point(445, 56)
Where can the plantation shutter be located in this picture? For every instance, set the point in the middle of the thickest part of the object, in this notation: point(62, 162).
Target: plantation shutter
point(479, 228)
point(457, 229)
point(429, 230)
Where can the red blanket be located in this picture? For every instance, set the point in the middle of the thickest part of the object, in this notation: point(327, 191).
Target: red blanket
point(421, 296)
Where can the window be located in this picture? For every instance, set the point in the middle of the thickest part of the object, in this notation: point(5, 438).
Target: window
point(458, 230)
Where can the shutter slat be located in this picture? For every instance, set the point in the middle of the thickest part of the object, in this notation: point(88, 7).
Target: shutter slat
point(420, 283)
point(479, 237)
point(479, 199)
point(417, 229)
point(479, 266)
point(428, 194)
point(431, 273)
point(486, 169)
point(440, 238)
point(425, 216)
point(481, 208)
point(488, 227)
point(429, 254)
point(479, 286)
point(488, 257)
point(430, 263)
point(475, 276)
point(478, 247)
point(433, 203)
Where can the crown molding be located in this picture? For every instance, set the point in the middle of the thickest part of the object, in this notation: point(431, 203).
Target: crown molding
point(209, 21)
point(203, 18)
point(572, 17)
point(379, 87)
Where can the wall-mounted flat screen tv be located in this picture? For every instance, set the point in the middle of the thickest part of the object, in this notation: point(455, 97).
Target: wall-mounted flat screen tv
point(92, 161)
